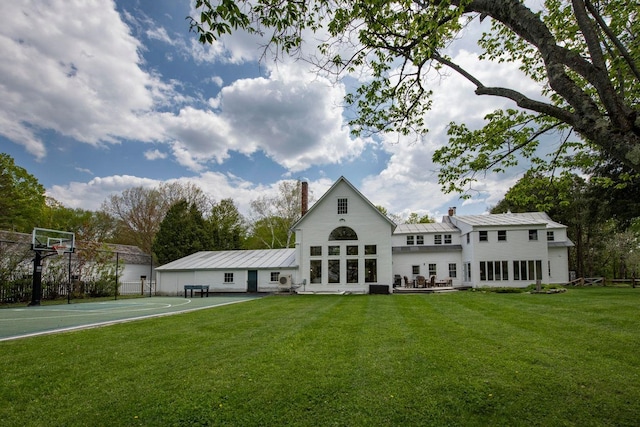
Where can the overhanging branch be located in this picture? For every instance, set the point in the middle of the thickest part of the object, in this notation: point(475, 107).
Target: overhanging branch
point(520, 99)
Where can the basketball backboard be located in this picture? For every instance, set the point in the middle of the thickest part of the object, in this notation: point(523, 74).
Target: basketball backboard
point(44, 239)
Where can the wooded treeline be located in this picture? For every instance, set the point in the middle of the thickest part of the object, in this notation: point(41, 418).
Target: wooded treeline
point(170, 221)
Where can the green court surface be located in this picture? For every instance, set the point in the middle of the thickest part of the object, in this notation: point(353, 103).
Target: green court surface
point(21, 322)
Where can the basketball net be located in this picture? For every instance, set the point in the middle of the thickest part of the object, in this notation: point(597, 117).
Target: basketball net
point(60, 249)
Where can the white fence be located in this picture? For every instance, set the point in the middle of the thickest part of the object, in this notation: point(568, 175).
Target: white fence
point(144, 288)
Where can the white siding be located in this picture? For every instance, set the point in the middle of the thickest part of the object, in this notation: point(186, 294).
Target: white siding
point(364, 219)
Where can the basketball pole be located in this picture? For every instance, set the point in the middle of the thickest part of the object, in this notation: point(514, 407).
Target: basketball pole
point(36, 292)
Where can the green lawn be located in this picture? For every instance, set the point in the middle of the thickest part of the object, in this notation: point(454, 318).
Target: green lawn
point(466, 358)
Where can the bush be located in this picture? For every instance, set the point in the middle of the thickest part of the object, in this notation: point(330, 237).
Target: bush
point(101, 288)
point(503, 290)
point(546, 289)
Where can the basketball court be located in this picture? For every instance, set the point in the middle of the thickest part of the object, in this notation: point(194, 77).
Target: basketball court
point(22, 322)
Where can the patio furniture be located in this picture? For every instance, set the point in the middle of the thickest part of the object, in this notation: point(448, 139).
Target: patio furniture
point(432, 281)
point(445, 282)
point(421, 282)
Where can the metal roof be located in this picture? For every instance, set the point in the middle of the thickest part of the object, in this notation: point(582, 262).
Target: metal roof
point(429, 248)
point(528, 218)
point(238, 259)
point(432, 227)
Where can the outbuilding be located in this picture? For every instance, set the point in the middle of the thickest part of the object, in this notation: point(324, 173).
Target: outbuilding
point(265, 270)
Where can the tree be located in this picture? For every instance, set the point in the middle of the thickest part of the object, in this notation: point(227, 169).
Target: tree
point(273, 216)
point(570, 200)
point(181, 233)
point(140, 210)
point(414, 218)
point(584, 56)
point(227, 226)
point(22, 199)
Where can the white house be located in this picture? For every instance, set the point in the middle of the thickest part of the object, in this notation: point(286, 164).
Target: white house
point(345, 244)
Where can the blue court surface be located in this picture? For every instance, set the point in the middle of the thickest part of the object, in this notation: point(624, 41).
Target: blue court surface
point(22, 322)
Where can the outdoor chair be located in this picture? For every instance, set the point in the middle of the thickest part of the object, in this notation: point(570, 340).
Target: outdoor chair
point(421, 282)
point(432, 281)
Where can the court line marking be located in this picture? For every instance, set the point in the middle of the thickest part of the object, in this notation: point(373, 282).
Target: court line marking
point(118, 321)
point(64, 313)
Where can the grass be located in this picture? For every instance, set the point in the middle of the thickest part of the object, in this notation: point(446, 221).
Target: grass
point(466, 358)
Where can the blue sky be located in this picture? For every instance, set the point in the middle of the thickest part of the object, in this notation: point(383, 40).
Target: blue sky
point(97, 97)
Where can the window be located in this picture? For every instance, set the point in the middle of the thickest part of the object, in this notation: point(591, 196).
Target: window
point(343, 233)
point(370, 249)
point(275, 276)
point(453, 271)
point(409, 240)
point(483, 236)
point(432, 270)
point(228, 277)
point(334, 271)
point(415, 269)
point(527, 270)
point(533, 234)
point(342, 206)
point(505, 270)
point(550, 236)
point(447, 239)
point(494, 270)
point(419, 240)
point(316, 250)
point(437, 239)
point(352, 250)
point(334, 250)
point(352, 271)
point(370, 270)
point(502, 235)
point(315, 271)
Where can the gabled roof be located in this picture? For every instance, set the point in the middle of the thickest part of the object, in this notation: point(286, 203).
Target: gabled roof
point(508, 219)
point(235, 259)
point(330, 190)
point(128, 254)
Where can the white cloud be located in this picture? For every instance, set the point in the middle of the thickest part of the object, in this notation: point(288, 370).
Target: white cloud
point(90, 195)
point(92, 87)
point(217, 80)
point(84, 170)
point(296, 123)
point(77, 76)
point(154, 154)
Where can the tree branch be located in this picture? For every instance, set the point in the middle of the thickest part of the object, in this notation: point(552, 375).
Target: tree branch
point(603, 25)
point(520, 99)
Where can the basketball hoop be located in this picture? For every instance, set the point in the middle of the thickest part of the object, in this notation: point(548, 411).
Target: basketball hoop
point(61, 249)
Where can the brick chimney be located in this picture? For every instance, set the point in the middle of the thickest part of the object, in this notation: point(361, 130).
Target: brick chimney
point(305, 197)
point(452, 211)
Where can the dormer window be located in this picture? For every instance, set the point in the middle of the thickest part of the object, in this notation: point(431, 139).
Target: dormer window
point(342, 206)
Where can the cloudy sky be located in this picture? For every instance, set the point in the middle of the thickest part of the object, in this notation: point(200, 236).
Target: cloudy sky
point(100, 96)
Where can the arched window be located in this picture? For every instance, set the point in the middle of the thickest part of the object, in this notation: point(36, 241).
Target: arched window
point(343, 233)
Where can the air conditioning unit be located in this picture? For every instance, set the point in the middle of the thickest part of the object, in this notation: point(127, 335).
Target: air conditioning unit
point(285, 281)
